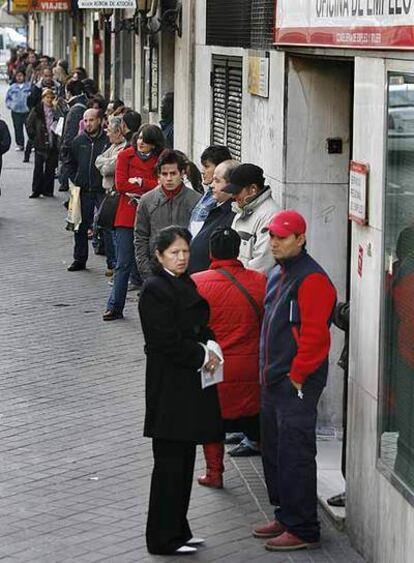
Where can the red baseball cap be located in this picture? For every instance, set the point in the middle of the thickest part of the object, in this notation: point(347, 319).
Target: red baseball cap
point(287, 223)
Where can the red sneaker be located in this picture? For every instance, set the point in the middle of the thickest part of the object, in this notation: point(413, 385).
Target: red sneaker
point(270, 530)
point(289, 542)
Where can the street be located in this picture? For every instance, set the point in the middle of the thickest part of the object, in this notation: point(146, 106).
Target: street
point(74, 467)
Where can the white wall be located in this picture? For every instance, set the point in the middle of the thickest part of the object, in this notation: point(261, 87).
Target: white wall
point(184, 81)
point(262, 118)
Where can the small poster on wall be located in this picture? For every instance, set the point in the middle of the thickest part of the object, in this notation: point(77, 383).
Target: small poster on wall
point(358, 192)
point(258, 83)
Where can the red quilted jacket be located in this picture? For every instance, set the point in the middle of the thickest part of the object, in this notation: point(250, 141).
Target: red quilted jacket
point(129, 165)
point(237, 330)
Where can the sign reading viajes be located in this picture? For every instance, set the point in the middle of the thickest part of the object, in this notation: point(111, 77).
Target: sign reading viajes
point(361, 24)
point(114, 4)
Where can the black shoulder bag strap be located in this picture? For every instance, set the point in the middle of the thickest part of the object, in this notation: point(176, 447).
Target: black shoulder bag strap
point(241, 287)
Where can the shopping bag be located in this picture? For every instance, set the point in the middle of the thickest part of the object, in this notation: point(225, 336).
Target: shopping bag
point(105, 217)
point(57, 126)
point(74, 217)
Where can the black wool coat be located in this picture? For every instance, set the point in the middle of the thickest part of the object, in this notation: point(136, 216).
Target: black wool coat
point(174, 320)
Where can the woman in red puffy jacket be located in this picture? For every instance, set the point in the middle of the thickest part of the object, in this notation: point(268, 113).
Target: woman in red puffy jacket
point(135, 174)
point(236, 323)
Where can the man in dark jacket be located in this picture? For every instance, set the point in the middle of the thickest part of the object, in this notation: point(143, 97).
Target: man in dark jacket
point(84, 150)
point(169, 204)
point(294, 348)
point(77, 102)
point(219, 216)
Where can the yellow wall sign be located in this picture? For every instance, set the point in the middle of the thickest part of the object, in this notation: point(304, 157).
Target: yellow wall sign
point(19, 6)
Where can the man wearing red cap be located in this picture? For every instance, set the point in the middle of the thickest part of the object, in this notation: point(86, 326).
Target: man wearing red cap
point(294, 348)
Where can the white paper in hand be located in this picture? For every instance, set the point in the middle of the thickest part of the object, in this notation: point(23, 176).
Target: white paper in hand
point(208, 378)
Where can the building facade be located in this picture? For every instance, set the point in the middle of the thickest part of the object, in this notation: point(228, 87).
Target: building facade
point(301, 88)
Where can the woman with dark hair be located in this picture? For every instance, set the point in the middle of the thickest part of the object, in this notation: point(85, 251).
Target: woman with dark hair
point(180, 414)
point(79, 73)
point(40, 125)
point(134, 174)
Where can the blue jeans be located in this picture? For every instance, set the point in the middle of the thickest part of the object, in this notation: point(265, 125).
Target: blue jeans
point(110, 253)
point(89, 201)
point(125, 265)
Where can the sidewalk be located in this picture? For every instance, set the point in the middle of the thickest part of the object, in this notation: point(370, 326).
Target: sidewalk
point(74, 467)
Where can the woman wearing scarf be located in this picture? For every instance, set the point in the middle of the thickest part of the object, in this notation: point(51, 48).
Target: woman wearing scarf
point(134, 173)
point(40, 124)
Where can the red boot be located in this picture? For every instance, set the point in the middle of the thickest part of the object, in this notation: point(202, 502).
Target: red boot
point(214, 454)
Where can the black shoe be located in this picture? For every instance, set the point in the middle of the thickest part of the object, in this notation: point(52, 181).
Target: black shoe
point(76, 266)
point(63, 189)
point(337, 500)
point(33, 196)
point(243, 451)
point(112, 315)
point(26, 160)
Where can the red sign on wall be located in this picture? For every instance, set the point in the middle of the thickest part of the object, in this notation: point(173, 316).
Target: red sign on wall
point(50, 5)
point(356, 24)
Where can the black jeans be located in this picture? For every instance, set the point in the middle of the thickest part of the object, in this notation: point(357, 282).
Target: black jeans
point(171, 482)
point(44, 172)
point(288, 434)
point(19, 120)
point(89, 202)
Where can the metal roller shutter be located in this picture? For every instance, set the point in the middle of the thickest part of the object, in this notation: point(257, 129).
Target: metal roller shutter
point(226, 88)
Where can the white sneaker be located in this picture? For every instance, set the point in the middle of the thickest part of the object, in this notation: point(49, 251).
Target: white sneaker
point(185, 550)
point(195, 541)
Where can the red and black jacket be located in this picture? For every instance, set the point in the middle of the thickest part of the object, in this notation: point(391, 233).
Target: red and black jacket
point(295, 338)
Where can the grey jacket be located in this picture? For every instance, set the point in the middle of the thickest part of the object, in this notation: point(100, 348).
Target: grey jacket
point(156, 211)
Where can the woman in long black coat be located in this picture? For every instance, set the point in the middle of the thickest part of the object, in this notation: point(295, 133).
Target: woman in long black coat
point(40, 129)
point(179, 413)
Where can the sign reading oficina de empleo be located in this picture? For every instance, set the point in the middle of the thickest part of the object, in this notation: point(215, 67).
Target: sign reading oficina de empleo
point(356, 24)
point(114, 4)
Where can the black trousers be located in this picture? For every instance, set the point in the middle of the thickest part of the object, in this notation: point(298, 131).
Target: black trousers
point(19, 120)
point(90, 201)
point(44, 172)
point(171, 482)
point(288, 445)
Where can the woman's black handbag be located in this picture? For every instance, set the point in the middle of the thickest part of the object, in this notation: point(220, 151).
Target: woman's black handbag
point(105, 217)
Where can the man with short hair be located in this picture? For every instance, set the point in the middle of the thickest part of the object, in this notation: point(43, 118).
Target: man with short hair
point(254, 209)
point(221, 215)
point(84, 150)
point(169, 204)
point(294, 348)
point(77, 102)
point(210, 158)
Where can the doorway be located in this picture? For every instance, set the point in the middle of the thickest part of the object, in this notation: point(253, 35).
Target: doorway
point(318, 150)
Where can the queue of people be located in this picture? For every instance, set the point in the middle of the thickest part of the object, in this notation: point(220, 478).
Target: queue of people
point(234, 311)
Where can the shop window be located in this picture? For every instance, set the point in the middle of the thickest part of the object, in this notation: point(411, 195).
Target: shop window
point(396, 445)
point(226, 89)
